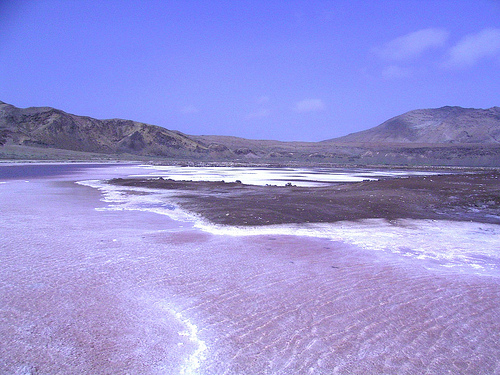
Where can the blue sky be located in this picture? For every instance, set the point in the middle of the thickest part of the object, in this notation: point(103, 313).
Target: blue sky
point(285, 70)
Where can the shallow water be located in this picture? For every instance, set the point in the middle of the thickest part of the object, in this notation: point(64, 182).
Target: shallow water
point(122, 289)
point(461, 246)
point(274, 176)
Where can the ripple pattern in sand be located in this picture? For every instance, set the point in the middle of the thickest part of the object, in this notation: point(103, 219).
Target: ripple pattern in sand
point(85, 291)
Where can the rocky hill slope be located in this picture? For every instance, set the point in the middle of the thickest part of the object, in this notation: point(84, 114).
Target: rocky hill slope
point(53, 128)
point(443, 136)
point(454, 125)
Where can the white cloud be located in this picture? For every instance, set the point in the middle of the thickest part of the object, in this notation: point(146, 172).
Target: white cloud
point(474, 47)
point(263, 112)
point(412, 45)
point(189, 109)
point(395, 71)
point(310, 105)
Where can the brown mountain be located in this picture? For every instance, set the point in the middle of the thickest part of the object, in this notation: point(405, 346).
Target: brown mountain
point(444, 136)
point(453, 125)
point(52, 128)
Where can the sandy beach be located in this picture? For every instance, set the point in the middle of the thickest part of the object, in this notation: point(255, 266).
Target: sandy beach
point(118, 291)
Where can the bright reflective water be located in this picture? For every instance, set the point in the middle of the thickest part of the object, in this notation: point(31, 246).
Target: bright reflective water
point(274, 176)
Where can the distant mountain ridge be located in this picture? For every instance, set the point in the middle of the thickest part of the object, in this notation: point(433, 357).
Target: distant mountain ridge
point(440, 136)
point(434, 126)
point(49, 127)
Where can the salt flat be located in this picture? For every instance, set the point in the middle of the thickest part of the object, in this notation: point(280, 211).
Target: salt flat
point(115, 287)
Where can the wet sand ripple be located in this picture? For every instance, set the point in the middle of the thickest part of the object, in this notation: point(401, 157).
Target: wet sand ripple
point(85, 291)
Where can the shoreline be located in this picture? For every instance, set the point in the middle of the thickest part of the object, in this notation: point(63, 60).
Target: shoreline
point(456, 197)
point(249, 164)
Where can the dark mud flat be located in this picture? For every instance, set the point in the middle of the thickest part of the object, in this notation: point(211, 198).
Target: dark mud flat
point(459, 197)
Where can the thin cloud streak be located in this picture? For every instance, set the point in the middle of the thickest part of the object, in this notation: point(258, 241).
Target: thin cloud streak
point(261, 113)
point(412, 45)
point(395, 71)
point(189, 109)
point(309, 105)
point(263, 99)
point(473, 48)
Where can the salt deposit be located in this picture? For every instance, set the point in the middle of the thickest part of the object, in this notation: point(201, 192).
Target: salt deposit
point(116, 286)
point(272, 176)
point(464, 246)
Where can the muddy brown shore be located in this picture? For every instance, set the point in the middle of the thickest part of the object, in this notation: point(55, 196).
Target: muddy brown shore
point(459, 197)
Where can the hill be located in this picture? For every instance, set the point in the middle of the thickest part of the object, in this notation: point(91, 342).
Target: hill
point(52, 128)
point(449, 136)
point(451, 125)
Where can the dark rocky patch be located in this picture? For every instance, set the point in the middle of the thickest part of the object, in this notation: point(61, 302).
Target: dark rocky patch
point(459, 197)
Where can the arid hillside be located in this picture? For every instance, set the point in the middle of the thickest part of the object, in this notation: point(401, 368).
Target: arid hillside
point(52, 128)
point(449, 125)
point(449, 136)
